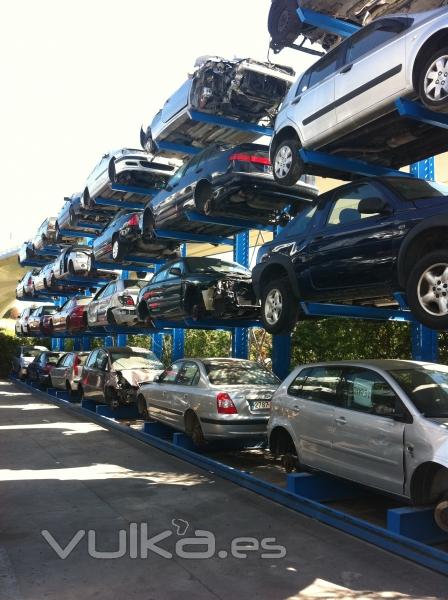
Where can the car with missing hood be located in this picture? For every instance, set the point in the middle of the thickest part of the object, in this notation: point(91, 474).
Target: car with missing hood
point(112, 376)
point(226, 181)
point(242, 89)
point(198, 287)
point(128, 167)
point(285, 27)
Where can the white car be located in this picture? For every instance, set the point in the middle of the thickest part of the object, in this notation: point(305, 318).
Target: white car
point(345, 103)
point(42, 281)
point(115, 303)
point(71, 261)
point(25, 285)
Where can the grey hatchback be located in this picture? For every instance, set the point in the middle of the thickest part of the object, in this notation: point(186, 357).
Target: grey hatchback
point(380, 423)
point(211, 398)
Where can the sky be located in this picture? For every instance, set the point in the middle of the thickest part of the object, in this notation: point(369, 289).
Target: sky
point(80, 78)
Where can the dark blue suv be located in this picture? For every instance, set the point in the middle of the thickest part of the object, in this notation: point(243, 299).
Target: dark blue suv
point(359, 244)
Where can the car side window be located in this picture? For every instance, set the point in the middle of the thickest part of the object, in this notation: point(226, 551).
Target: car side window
point(188, 374)
point(373, 36)
point(69, 359)
point(345, 204)
point(170, 375)
point(302, 222)
point(169, 275)
point(92, 358)
point(303, 84)
point(161, 276)
point(101, 360)
point(366, 391)
point(322, 384)
point(326, 66)
point(296, 387)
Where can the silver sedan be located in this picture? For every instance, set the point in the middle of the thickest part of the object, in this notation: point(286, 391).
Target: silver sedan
point(211, 398)
point(380, 423)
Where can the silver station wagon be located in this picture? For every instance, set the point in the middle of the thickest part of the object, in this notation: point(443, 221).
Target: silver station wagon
point(380, 423)
point(211, 398)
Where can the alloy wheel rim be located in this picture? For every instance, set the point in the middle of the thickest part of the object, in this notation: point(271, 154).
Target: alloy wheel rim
point(273, 307)
point(115, 249)
point(283, 161)
point(432, 290)
point(436, 80)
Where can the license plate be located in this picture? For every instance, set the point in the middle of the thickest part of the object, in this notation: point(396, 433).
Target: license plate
point(261, 405)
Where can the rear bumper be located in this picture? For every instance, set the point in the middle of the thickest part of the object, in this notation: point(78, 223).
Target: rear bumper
point(252, 427)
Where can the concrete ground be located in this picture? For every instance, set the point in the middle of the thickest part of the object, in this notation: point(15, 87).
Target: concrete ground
point(66, 475)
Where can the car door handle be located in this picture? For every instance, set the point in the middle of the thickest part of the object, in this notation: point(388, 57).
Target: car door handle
point(296, 100)
point(296, 407)
point(341, 420)
point(346, 69)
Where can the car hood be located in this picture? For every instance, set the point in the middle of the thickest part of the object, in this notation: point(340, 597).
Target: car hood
point(136, 376)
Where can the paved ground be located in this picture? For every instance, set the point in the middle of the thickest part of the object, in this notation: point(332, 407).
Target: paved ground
point(67, 476)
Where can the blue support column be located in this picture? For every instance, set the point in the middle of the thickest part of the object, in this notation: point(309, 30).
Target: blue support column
point(57, 344)
point(240, 336)
point(86, 343)
point(157, 344)
point(178, 350)
point(77, 343)
point(122, 338)
point(425, 342)
point(281, 355)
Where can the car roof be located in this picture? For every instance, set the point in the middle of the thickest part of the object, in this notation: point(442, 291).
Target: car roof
point(387, 364)
point(224, 361)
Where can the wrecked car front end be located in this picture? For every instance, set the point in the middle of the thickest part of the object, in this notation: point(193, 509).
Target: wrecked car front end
point(126, 383)
point(227, 297)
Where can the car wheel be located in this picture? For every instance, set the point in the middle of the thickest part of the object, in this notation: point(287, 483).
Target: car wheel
point(149, 223)
point(142, 408)
point(118, 249)
point(441, 513)
point(111, 398)
point(203, 197)
point(279, 307)
point(72, 218)
point(52, 280)
point(427, 290)
point(111, 317)
point(49, 382)
point(193, 429)
point(87, 200)
point(288, 167)
point(71, 268)
point(433, 81)
point(283, 24)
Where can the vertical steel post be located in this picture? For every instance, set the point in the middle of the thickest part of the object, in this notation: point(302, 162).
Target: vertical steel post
point(57, 343)
point(425, 342)
point(122, 338)
point(281, 355)
point(157, 344)
point(108, 341)
point(77, 343)
point(240, 335)
point(86, 345)
point(178, 350)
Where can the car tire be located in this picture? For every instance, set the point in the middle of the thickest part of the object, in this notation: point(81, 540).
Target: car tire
point(203, 197)
point(72, 218)
point(118, 249)
point(279, 307)
point(194, 430)
point(287, 165)
point(111, 398)
point(110, 317)
point(429, 83)
point(87, 201)
point(149, 224)
point(283, 25)
point(142, 408)
point(427, 290)
point(71, 268)
point(52, 280)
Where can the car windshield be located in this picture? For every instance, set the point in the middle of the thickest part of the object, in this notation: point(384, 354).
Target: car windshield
point(28, 352)
point(132, 283)
point(134, 360)
point(230, 373)
point(215, 265)
point(427, 388)
point(417, 189)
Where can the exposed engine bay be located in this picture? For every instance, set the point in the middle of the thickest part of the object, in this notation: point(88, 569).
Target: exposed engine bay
point(285, 27)
point(244, 89)
point(230, 297)
point(123, 385)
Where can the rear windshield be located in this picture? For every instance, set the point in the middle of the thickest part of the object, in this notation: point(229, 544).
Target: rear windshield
point(83, 301)
point(49, 311)
point(135, 360)
point(31, 352)
point(427, 388)
point(82, 358)
point(130, 283)
point(53, 359)
point(214, 265)
point(239, 374)
point(417, 189)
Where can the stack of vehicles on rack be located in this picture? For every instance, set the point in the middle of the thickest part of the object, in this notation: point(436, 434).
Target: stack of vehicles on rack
point(112, 375)
point(242, 89)
point(223, 181)
point(42, 243)
point(198, 288)
point(361, 244)
point(285, 26)
point(23, 356)
point(128, 167)
point(24, 288)
point(345, 103)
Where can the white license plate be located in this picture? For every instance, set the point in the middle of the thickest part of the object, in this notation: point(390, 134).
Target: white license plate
point(261, 405)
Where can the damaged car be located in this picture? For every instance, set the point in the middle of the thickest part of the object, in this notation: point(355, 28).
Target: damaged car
point(76, 217)
point(114, 303)
point(285, 26)
point(112, 375)
point(242, 89)
point(226, 181)
point(198, 287)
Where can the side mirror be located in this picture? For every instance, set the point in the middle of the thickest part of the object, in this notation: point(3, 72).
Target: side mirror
point(373, 206)
point(175, 271)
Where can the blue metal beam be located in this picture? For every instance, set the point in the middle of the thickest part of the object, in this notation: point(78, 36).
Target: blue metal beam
point(351, 166)
point(226, 221)
point(178, 344)
point(188, 236)
point(49, 251)
point(327, 23)
point(224, 324)
point(117, 203)
point(33, 262)
point(71, 233)
point(418, 112)
point(177, 148)
point(240, 336)
point(424, 169)
point(83, 282)
point(226, 123)
point(130, 189)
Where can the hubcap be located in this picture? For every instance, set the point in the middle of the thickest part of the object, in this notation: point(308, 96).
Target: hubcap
point(436, 80)
point(433, 290)
point(273, 306)
point(115, 249)
point(283, 162)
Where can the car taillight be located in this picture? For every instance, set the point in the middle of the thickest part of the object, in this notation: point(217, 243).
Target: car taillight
point(224, 404)
point(76, 365)
point(127, 300)
point(30, 280)
point(252, 158)
point(133, 221)
point(78, 311)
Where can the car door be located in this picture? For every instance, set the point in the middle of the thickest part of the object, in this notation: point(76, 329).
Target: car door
point(154, 295)
point(58, 373)
point(160, 396)
point(104, 303)
point(374, 71)
point(89, 374)
point(368, 442)
point(312, 109)
point(172, 292)
point(186, 393)
point(354, 251)
point(310, 407)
